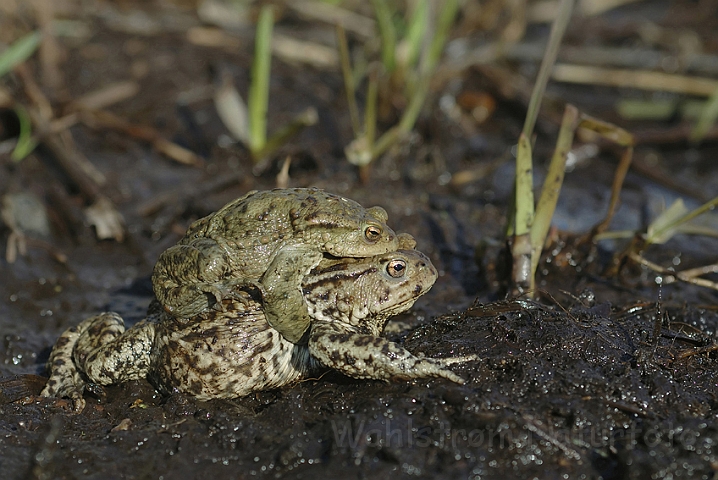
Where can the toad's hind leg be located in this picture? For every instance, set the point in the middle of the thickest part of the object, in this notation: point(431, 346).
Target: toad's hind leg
point(188, 279)
point(108, 354)
point(281, 285)
point(93, 345)
point(65, 379)
point(100, 349)
point(366, 356)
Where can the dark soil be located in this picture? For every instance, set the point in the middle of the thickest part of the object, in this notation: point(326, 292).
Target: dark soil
point(601, 377)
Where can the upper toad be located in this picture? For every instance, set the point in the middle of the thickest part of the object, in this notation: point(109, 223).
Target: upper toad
point(271, 240)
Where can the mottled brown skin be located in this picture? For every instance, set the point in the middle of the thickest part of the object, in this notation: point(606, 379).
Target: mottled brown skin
point(270, 240)
point(232, 351)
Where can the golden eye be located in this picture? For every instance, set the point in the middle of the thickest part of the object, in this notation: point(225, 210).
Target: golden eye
point(372, 233)
point(396, 268)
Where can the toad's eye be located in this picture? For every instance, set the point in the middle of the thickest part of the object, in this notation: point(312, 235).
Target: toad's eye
point(396, 268)
point(372, 233)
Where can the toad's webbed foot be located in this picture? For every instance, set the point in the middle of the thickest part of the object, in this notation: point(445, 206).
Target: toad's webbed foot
point(406, 241)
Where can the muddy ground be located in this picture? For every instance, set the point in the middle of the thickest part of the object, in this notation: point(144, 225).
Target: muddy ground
point(602, 377)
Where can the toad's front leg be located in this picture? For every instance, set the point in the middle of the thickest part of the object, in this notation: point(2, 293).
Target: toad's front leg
point(366, 356)
point(282, 296)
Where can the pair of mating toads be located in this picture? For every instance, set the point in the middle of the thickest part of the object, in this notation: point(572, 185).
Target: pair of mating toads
point(268, 289)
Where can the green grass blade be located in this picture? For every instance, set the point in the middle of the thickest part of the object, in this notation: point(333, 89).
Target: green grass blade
point(443, 27)
point(662, 228)
point(557, 30)
point(372, 101)
point(387, 32)
point(429, 62)
point(407, 122)
point(709, 205)
point(698, 230)
point(348, 75)
point(552, 185)
point(415, 33)
point(524, 188)
point(667, 224)
point(259, 89)
point(305, 119)
point(19, 51)
point(707, 119)
point(360, 151)
point(653, 109)
point(25, 143)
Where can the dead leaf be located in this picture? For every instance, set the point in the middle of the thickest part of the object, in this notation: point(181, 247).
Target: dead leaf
point(108, 222)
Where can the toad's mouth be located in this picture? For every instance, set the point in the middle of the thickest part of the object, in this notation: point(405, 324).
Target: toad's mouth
point(332, 263)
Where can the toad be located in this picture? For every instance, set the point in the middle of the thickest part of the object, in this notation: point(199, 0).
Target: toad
point(271, 240)
point(232, 350)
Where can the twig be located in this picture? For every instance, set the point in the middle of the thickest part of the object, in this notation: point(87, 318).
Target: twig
point(697, 351)
point(283, 175)
point(213, 37)
point(632, 57)
point(58, 255)
point(658, 175)
point(105, 96)
point(293, 50)
point(105, 119)
point(629, 409)
point(80, 170)
point(70, 162)
point(35, 93)
point(662, 136)
point(533, 426)
point(49, 48)
point(670, 276)
point(625, 140)
point(639, 79)
point(618, 177)
point(354, 22)
point(698, 271)
point(101, 212)
point(73, 163)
